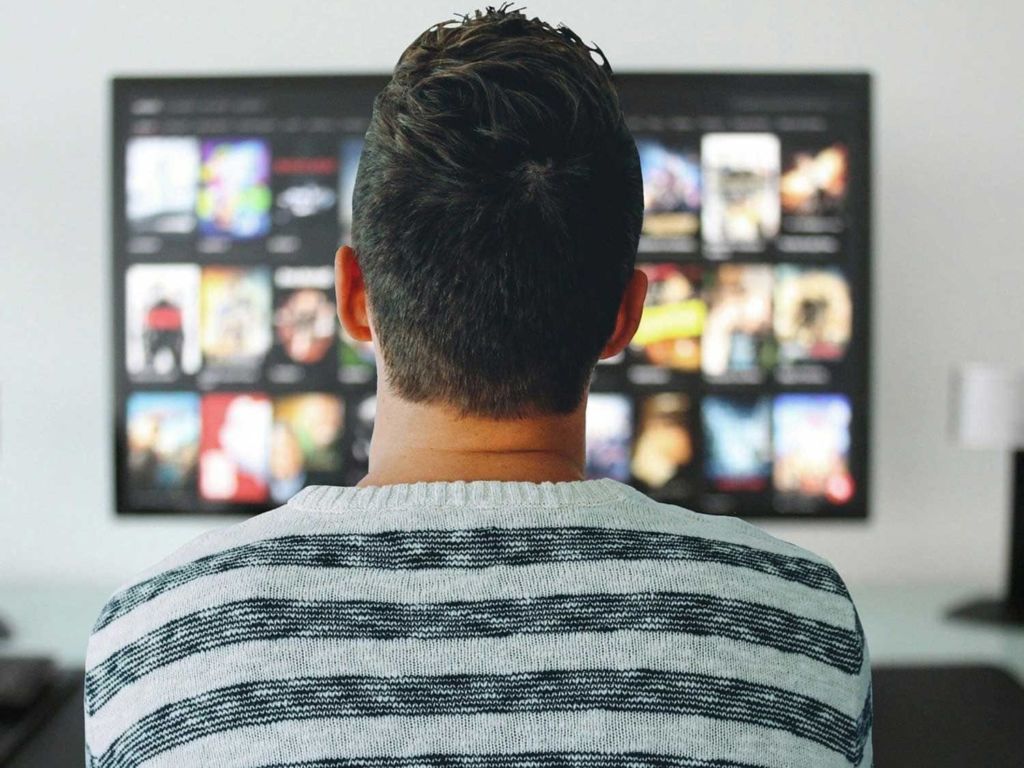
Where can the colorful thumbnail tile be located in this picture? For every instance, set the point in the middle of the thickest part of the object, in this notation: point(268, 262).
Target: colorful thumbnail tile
point(234, 194)
point(737, 443)
point(306, 438)
point(235, 311)
point(738, 342)
point(741, 207)
point(357, 463)
point(161, 183)
point(813, 315)
point(350, 151)
point(673, 319)
point(814, 182)
point(305, 173)
point(305, 315)
point(356, 361)
point(664, 451)
point(163, 441)
point(609, 431)
point(235, 447)
point(162, 321)
point(812, 446)
point(671, 177)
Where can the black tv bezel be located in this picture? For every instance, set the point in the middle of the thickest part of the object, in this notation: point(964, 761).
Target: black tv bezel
point(856, 84)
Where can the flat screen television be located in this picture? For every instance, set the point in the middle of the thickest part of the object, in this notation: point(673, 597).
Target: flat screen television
point(745, 391)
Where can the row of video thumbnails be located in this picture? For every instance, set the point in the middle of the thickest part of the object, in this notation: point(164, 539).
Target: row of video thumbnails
point(254, 448)
point(716, 194)
point(729, 323)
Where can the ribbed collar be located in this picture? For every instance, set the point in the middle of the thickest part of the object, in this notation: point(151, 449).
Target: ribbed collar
point(476, 493)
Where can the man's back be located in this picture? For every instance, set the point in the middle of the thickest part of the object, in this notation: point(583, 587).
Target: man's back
point(481, 624)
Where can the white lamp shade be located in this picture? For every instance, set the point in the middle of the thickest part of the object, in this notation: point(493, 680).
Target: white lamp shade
point(987, 406)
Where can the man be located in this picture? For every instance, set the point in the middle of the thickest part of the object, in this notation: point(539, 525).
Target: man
point(474, 602)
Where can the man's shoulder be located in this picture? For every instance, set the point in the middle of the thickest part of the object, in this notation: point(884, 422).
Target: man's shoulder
point(635, 528)
point(219, 539)
point(728, 530)
point(206, 554)
point(756, 558)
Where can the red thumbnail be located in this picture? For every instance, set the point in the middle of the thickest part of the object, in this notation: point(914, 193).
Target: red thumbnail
point(235, 447)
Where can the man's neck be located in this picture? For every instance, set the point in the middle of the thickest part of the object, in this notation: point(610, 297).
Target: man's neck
point(426, 443)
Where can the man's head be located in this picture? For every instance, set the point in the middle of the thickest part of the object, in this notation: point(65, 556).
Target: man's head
point(496, 215)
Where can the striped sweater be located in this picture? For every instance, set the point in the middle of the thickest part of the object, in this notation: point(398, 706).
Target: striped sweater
point(481, 625)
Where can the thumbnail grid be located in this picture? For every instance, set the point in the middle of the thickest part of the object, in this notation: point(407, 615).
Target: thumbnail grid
point(728, 194)
point(241, 387)
point(719, 451)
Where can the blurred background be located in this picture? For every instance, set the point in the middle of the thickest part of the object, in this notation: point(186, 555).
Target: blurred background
point(946, 278)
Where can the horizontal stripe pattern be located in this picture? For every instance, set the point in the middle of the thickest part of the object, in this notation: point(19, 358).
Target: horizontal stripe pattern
point(473, 548)
point(268, 620)
point(432, 626)
point(439, 585)
point(526, 760)
point(355, 696)
point(281, 659)
point(494, 734)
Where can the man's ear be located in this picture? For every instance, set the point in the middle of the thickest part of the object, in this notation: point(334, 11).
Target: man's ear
point(351, 293)
point(628, 319)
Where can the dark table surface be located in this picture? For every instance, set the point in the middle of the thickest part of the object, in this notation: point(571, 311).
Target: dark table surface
point(58, 740)
point(935, 717)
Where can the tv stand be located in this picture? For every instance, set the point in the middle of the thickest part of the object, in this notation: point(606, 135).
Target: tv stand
point(1009, 610)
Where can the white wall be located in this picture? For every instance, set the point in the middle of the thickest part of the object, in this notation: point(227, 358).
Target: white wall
point(949, 263)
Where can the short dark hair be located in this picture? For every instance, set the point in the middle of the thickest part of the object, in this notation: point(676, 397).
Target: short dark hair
point(496, 215)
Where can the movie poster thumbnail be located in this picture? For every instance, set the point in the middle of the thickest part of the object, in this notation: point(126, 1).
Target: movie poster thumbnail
point(813, 190)
point(362, 413)
point(737, 443)
point(162, 321)
point(305, 440)
point(234, 459)
point(813, 314)
point(162, 446)
point(664, 452)
point(814, 182)
point(305, 325)
point(670, 330)
point(357, 363)
point(741, 208)
point(305, 184)
point(161, 183)
point(609, 433)
point(812, 450)
point(672, 194)
point(738, 344)
point(235, 321)
point(234, 199)
point(349, 153)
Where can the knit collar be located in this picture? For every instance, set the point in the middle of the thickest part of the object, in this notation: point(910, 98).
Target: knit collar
point(460, 493)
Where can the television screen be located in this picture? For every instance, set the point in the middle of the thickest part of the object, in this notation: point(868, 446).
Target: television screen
point(744, 391)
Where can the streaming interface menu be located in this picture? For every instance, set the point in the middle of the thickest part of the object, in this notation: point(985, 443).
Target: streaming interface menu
point(744, 391)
